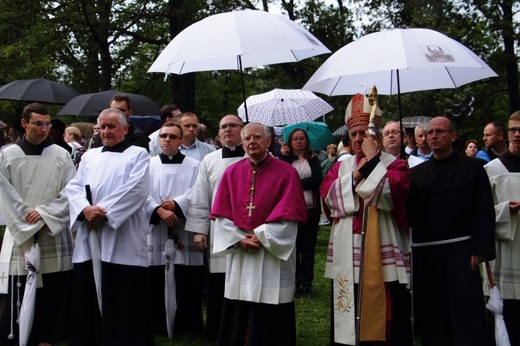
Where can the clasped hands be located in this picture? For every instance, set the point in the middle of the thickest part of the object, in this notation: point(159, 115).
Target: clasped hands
point(250, 243)
point(94, 215)
point(166, 212)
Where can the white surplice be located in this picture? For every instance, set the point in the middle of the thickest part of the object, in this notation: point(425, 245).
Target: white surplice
point(170, 181)
point(506, 267)
point(17, 172)
point(119, 183)
point(265, 276)
point(153, 145)
point(210, 171)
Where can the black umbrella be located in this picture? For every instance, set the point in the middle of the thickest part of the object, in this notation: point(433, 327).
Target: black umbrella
point(38, 90)
point(93, 104)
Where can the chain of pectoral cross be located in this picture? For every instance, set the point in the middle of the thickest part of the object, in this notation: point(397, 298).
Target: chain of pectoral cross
point(254, 170)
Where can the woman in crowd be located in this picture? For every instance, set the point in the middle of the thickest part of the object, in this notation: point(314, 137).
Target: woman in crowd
point(298, 153)
point(471, 148)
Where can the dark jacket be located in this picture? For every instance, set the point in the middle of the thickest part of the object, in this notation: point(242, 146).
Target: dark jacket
point(311, 183)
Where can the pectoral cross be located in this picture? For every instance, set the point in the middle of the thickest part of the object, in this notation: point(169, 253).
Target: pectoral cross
point(250, 207)
point(3, 277)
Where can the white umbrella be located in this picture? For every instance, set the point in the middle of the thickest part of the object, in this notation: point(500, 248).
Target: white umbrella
point(237, 40)
point(284, 107)
point(25, 320)
point(496, 305)
point(170, 299)
point(399, 61)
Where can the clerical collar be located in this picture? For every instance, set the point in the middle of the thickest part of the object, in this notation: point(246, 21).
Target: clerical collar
point(176, 159)
point(236, 151)
point(31, 149)
point(118, 148)
point(265, 159)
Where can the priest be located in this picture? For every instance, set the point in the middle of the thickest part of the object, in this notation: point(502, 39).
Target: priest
point(33, 176)
point(172, 176)
point(107, 196)
point(257, 208)
point(504, 176)
point(211, 169)
point(450, 209)
point(376, 183)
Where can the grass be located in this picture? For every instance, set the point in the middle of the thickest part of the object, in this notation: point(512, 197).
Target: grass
point(312, 315)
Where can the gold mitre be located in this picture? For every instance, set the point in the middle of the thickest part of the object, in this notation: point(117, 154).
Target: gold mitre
point(358, 112)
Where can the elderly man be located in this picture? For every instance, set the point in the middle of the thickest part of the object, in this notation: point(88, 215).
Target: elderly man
point(107, 196)
point(33, 176)
point(210, 172)
point(494, 140)
point(169, 113)
point(450, 210)
point(392, 135)
point(172, 176)
point(374, 182)
point(257, 208)
point(504, 176)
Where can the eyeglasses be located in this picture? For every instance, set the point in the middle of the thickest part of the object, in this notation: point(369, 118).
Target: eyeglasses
point(388, 133)
point(231, 126)
point(40, 124)
point(513, 130)
point(438, 132)
point(170, 136)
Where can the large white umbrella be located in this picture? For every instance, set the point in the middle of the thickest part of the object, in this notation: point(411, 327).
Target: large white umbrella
point(398, 61)
point(284, 107)
point(495, 304)
point(237, 40)
point(25, 320)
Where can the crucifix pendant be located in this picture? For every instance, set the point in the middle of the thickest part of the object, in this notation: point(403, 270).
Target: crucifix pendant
point(250, 207)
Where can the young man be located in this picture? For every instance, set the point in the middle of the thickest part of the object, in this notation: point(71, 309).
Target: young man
point(33, 176)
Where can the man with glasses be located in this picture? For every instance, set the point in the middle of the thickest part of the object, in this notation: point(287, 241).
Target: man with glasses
point(210, 172)
point(504, 176)
point(172, 176)
point(33, 176)
point(392, 135)
point(170, 113)
point(450, 209)
point(379, 181)
point(257, 208)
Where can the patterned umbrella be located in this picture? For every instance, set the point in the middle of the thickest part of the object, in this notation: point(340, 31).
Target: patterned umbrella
point(412, 122)
point(340, 131)
point(283, 107)
point(318, 132)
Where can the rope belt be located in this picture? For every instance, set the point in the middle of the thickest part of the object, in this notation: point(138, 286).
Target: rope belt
point(441, 242)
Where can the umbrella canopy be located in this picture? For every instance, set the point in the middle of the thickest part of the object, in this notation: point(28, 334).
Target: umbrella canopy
point(412, 122)
point(340, 131)
point(495, 304)
point(399, 61)
point(37, 90)
point(93, 104)
point(318, 132)
point(32, 264)
point(237, 40)
point(284, 106)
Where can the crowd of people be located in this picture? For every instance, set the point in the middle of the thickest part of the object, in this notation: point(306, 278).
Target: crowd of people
point(129, 223)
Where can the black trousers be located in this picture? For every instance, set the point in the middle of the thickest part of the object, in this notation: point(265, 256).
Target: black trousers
point(305, 246)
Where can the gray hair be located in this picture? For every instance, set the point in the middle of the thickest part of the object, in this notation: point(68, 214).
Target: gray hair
point(423, 127)
point(266, 129)
point(122, 118)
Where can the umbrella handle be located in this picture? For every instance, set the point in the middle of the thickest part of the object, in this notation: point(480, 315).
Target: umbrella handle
point(490, 277)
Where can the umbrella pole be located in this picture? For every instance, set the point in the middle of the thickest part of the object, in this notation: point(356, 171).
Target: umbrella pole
point(243, 86)
point(403, 152)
